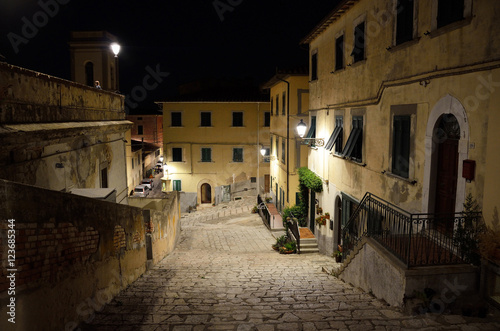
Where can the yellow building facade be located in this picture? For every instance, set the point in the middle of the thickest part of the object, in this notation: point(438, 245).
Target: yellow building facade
point(408, 92)
point(289, 102)
point(212, 144)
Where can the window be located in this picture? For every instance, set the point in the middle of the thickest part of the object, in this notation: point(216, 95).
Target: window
point(138, 159)
point(267, 119)
point(140, 130)
point(237, 118)
point(401, 146)
point(353, 147)
point(339, 53)
point(177, 154)
point(276, 148)
point(253, 179)
point(277, 104)
point(404, 21)
point(176, 185)
point(237, 154)
point(132, 163)
point(206, 118)
point(176, 118)
point(449, 11)
point(283, 150)
point(283, 104)
point(89, 74)
point(272, 146)
point(314, 66)
point(266, 155)
point(104, 177)
point(206, 155)
point(272, 105)
point(312, 130)
point(336, 137)
point(358, 52)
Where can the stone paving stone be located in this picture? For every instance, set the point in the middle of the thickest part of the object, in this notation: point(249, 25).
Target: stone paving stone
point(223, 275)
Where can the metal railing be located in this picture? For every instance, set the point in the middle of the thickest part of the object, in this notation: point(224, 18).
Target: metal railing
point(264, 212)
point(293, 228)
point(415, 239)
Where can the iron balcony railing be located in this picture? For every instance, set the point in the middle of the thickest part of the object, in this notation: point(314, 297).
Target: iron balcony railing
point(415, 239)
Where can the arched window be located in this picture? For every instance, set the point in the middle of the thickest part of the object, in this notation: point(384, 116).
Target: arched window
point(89, 73)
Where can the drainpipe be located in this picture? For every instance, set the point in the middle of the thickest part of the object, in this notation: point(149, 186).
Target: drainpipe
point(287, 138)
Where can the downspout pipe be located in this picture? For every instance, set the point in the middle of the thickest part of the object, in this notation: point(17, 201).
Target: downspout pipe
point(287, 138)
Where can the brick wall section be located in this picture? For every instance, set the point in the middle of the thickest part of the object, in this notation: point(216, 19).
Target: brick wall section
point(119, 239)
point(44, 251)
point(66, 253)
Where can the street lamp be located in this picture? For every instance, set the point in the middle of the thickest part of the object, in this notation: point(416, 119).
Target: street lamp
point(301, 131)
point(301, 128)
point(115, 48)
point(263, 151)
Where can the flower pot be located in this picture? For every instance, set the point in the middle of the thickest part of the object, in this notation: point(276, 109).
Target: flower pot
point(338, 259)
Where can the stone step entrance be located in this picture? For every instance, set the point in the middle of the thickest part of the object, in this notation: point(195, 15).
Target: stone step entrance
point(308, 242)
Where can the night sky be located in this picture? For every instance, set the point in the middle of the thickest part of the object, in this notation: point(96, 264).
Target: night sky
point(189, 39)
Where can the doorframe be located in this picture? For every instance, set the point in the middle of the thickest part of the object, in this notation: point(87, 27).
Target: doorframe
point(446, 105)
point(198, 190)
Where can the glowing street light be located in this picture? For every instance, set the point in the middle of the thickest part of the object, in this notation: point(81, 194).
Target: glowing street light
point(115, 48)
point(301, 128)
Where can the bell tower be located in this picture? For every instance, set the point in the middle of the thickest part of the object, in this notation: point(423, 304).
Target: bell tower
point(92, 59)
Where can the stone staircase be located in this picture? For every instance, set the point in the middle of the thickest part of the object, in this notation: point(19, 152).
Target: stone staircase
point(308, 245)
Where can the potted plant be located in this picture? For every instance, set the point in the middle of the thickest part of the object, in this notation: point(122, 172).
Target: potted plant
point(255, 209)
point(327, 216)
point(321, 220)
point(338, 256)
point(319, 210)
point(288, 248)
point(280, 241)
point(268, 200)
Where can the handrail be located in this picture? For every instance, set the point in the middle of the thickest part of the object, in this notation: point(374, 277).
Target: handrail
point(293, 227)
point(416, 239)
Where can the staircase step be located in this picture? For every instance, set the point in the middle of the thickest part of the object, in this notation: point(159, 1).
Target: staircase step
point(308, 245)
point(308, 250)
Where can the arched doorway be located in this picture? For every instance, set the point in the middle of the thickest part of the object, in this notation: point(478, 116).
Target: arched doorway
point(447, 136)
point(206, 193)
point(446, 147)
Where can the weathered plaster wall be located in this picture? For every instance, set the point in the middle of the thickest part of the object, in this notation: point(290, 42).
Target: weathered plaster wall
point(58, 134)
point(31, 97)
point(73, 254)
point(378, 272)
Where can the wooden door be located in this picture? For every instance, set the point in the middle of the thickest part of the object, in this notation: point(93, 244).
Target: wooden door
point(446, 184)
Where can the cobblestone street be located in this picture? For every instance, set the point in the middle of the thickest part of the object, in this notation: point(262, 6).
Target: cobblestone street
point(224, 276)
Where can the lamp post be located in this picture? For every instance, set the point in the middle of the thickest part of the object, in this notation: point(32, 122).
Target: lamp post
point(301, 131)
point(115, 48)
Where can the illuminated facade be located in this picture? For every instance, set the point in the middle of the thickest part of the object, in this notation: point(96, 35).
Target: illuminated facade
point(215, 143)
point(408, 93)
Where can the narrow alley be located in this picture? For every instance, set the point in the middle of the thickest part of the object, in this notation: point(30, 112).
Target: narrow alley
point(224, 276)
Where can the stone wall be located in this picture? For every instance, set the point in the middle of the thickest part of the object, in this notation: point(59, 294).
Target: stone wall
point(72, 254)
point(376, 271)
point(31, 97)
